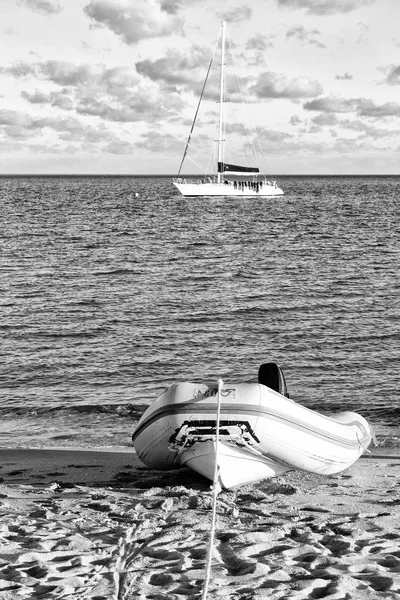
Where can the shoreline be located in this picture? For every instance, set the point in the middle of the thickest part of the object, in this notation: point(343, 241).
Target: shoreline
point(95, 524)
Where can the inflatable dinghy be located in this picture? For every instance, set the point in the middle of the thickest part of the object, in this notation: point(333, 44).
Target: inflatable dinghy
point(261, 432)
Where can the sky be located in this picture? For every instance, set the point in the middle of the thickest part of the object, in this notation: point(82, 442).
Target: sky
point(112, 86)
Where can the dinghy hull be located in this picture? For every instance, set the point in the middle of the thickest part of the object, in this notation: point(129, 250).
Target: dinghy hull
point(236, 466)
point(262, 434)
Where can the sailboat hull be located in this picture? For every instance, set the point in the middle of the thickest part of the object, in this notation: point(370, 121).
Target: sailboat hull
point(226, 189)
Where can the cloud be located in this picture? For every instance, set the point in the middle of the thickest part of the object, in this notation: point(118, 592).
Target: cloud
point(19, 69)
point(325, 7)
point(358, 126)
point(362, 106)
point(119, 147)
point(114, 80)
point(394, 76)
point(177, 68)
point(367, 130)
point(259, 42)
point(367, 108)
point(238, 14)
point(269, 135)
point(72, 135)
point(137, 20)
point(114, 94)
point(344, 77)
point(299, 33)
point(62, 99)
point(185, 71)
point(19, 125)
point(45, 7)
point(147, 104)
point(65, 73)
point(274, 85)
point(323, 119)
point(171, 6)
point(159, 141)
point(331, 104)
point(295, 120)
point(279, 142)
point(12, 121)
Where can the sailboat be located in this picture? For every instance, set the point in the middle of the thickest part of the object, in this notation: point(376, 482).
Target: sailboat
point(230, 179)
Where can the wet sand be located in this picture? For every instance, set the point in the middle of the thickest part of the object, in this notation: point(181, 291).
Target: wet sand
point(98, 525)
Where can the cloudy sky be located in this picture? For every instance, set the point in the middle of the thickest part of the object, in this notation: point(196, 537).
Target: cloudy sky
point(111, 86)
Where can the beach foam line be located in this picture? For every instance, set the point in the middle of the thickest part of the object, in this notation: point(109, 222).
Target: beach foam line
point(112, 449)
point(381, 456)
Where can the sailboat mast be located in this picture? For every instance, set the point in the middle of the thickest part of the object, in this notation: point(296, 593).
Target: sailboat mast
point(221, 103)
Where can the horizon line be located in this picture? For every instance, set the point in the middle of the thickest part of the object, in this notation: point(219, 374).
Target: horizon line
point(191, 175)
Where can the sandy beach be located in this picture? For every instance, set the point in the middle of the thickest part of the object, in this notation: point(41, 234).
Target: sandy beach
point(97, 525)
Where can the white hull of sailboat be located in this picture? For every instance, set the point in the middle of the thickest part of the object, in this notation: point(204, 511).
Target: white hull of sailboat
point(267, 190)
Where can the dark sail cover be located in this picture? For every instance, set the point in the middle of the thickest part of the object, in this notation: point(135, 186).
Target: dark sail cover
point(225, 168)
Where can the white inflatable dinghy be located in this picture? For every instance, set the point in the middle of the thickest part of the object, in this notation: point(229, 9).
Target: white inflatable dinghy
point(261, 432)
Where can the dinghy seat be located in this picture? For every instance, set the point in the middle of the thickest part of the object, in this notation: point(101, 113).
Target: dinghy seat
point(271, 375)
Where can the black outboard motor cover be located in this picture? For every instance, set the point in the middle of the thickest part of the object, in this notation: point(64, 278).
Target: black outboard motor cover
point(272, 376)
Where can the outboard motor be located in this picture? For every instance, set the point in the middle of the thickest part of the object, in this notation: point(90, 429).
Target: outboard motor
point(271, 375)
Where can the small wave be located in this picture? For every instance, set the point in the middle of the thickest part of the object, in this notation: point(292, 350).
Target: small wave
point(388, 441)
point(52, 335)
point(133, 411)
point(122, 410)
point(114, 272)
point(84, 302)
point(388, 415)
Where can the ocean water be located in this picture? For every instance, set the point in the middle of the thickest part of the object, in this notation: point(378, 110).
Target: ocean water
point(113, 288)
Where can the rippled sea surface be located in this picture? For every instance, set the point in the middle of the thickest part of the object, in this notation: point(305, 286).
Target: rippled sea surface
point(113, 288)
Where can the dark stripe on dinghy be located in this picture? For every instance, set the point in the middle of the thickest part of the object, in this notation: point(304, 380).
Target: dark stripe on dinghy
point(240, 411)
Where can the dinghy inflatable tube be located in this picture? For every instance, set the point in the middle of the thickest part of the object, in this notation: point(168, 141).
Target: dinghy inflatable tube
point(262, 433)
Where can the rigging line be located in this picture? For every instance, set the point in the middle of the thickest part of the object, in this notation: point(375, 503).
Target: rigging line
point(252, 136)
point(248, 132)
point(205, 171)
point(216, 490)
point(221, 117)
point(245, 139)
point(211, 159)
point(197, 109)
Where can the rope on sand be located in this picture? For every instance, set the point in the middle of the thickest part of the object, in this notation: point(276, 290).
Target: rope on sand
point(216, 489)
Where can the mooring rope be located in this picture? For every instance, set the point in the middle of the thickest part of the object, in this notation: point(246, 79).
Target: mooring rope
point(216, 489)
